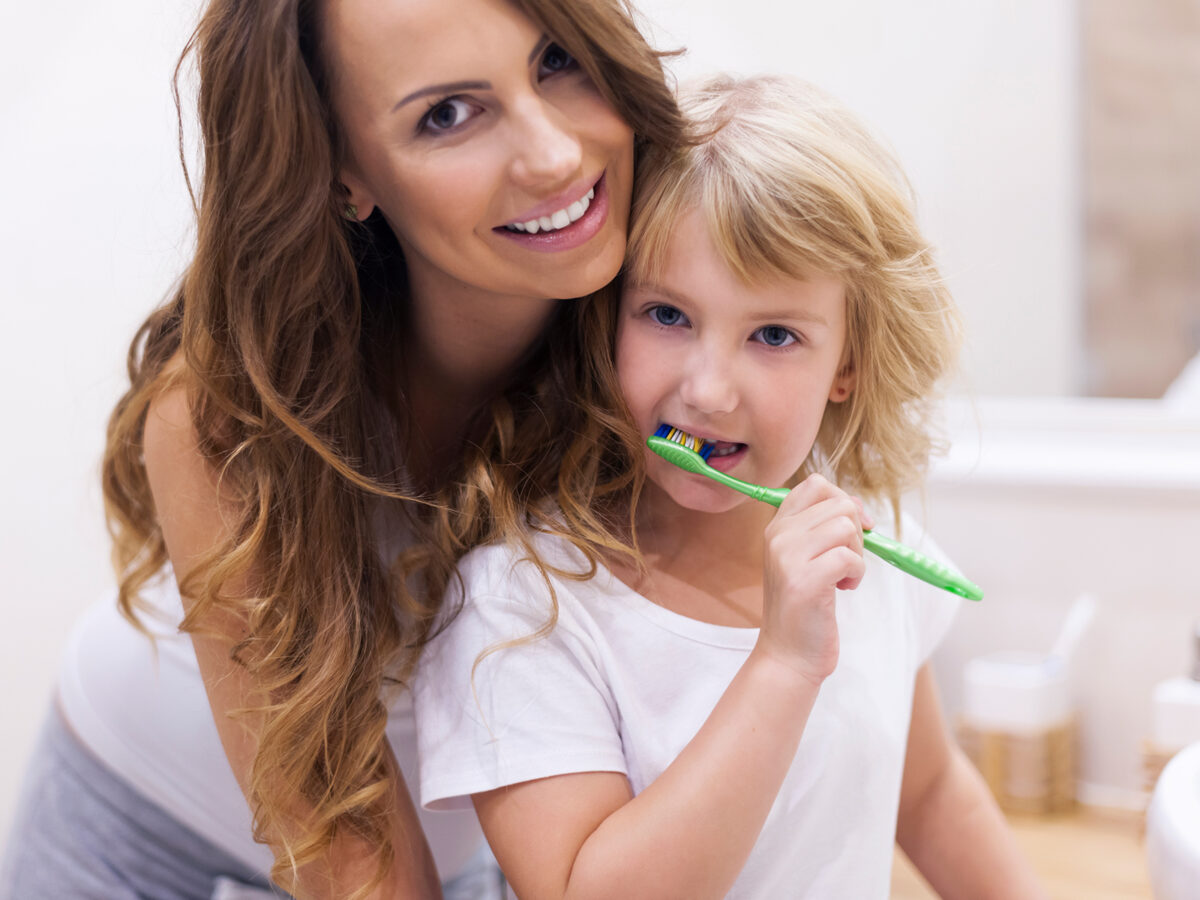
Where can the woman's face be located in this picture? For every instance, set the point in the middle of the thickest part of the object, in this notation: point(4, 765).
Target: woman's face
point(498, 164)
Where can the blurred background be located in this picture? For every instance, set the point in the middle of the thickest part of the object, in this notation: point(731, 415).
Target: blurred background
point(1055, 149)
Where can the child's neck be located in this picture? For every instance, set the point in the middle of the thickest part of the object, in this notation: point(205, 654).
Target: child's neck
point(706, 566)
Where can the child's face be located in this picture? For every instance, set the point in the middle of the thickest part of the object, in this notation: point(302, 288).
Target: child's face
point(749, 368)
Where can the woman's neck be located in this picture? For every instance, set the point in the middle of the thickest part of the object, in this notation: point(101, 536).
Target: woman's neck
point(460, 349)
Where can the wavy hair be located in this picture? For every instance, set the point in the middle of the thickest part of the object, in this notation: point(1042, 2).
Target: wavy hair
point(788, 182)
point(283, 331)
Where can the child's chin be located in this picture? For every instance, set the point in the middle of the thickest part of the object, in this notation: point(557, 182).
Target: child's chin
point(707, 497)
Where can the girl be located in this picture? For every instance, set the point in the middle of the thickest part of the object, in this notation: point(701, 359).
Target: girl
point(712, 698)
point(395, 195)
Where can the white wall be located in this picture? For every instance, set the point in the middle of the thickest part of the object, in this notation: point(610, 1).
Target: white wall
point(978, 98)
point(94, 230)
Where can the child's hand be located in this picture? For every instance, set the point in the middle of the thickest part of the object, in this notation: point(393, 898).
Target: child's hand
point(814, 546)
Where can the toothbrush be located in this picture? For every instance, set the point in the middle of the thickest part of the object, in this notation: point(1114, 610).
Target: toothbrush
point(691, 454)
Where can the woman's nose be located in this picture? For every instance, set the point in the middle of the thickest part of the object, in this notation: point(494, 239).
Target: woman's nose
point(547, 149)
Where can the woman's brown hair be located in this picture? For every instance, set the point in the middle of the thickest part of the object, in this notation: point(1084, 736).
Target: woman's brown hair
point(283, 331)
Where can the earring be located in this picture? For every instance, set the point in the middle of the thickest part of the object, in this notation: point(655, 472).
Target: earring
point(350, 212)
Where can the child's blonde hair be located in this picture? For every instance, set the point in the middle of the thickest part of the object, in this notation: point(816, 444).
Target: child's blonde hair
point(789, 182)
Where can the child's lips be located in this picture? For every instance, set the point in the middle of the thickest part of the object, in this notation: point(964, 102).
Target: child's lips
point(726, 454)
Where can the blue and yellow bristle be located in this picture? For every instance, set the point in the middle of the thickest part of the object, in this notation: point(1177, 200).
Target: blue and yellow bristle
point(683, 438)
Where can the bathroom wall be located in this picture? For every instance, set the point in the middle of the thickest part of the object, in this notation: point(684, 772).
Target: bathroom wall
point(1040, 501)
point(980, 101)
point(95, 230)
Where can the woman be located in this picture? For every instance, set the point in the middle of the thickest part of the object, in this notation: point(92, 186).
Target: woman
point(396, 194)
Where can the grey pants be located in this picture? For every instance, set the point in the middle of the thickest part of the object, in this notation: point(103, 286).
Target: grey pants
point(82, 833)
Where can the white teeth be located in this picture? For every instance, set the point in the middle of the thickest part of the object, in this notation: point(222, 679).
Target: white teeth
point(560, 219)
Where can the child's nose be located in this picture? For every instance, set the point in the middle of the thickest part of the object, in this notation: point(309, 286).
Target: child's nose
point(547, 149)
point(708, 385)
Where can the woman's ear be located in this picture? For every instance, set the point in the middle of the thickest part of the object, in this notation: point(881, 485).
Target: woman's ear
point(843, 383)
point(359, 203)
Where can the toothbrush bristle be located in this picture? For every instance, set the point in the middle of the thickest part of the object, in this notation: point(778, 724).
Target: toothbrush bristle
point(679, 436)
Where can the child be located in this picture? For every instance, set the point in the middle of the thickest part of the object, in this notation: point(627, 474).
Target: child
point(742, 706)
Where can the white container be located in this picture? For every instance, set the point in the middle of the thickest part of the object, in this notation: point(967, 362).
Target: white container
point(1176, 713)
point(1016, 693)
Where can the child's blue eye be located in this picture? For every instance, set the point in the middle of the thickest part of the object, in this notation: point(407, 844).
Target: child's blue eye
point(666, 315)
point(775, 336)
point(555, 59)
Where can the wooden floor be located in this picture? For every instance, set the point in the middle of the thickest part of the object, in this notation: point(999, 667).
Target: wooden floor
point(1084, 854)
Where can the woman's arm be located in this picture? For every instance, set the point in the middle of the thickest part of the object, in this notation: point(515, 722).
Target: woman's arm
point(949, 824)
point(189, 511)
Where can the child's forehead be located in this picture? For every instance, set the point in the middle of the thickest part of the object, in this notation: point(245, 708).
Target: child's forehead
point(691, 261)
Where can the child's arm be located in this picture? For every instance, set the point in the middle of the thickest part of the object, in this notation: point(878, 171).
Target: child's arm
point(949, 824)
point(688, 834)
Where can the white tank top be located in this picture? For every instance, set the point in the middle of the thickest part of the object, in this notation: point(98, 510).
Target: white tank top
point(142, 709)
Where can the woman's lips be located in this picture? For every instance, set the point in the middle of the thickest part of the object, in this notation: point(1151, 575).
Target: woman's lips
point(577, 233)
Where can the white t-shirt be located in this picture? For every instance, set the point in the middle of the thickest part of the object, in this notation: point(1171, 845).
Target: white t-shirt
point(145, 714)
point(622, 685)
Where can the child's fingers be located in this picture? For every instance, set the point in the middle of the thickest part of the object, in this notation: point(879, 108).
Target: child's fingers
point(823, 503)
point(811, 490)
point(815, 489)
point(868, 521)
point(794, 542)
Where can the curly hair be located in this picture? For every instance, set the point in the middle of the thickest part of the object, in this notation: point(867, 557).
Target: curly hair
point(788, 182)
point(283, 331)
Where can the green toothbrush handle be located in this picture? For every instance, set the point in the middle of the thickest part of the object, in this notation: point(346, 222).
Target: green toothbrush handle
point(904, 558)
point(927, 569)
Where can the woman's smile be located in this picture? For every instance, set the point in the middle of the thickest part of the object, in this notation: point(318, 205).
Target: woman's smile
point(562, 229)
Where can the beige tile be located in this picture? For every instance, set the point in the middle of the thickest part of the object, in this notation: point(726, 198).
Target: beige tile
point(1084, 854)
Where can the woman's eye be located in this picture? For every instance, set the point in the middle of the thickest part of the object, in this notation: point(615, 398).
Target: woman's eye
point(555, 59)
point(775, 336)
point(666, 315)
point(447, 115)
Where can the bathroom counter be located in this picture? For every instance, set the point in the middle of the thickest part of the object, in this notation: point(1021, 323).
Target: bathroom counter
point(1096, 855)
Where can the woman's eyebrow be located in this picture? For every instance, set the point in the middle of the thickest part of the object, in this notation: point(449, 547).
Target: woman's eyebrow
point(455, 86)
point(448, 88)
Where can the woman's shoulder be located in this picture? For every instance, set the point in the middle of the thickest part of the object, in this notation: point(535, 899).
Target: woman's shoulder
point(169, 438)
point(193, 510)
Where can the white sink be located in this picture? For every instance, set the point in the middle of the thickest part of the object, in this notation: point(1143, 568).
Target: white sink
point(1173, 829)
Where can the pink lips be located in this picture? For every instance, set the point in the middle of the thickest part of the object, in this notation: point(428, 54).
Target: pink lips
point(577, 233)
point(727, 461)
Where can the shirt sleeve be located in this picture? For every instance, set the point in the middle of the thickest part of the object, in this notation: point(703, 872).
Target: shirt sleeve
point(499, 698)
